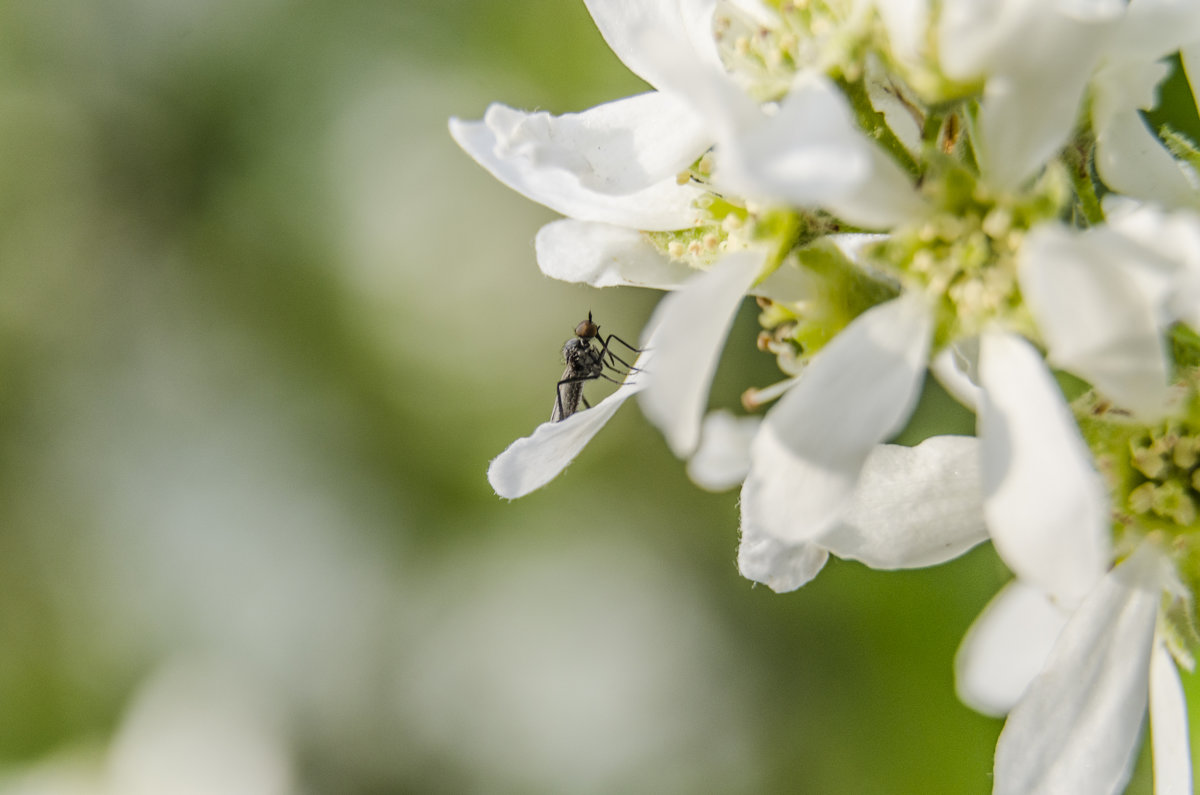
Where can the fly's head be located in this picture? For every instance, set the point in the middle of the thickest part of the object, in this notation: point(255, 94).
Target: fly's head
point(587, 330)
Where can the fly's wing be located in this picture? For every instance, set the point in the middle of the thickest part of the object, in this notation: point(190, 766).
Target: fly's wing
point(570, 392)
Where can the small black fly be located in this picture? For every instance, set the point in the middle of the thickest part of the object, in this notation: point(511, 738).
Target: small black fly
point(586, 362)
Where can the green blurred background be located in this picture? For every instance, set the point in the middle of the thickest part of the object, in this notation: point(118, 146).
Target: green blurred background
point(262, 327)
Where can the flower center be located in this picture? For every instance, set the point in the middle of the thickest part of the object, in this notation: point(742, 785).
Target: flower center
point(1153, 471)
point(964, 255)
point(1166, 457)
point(765, 51)
point(1153, 476)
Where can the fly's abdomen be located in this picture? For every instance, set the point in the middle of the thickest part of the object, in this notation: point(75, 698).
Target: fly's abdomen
point(566, 402)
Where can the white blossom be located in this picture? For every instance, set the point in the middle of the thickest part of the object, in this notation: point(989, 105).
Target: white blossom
point(907, 187)
point(1076, 724)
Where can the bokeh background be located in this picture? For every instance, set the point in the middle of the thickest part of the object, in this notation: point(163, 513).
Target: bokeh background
point(262, 327)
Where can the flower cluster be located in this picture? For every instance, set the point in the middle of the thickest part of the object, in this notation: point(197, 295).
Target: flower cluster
point(957, 188)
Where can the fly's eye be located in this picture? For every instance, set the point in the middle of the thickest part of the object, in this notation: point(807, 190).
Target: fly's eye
point(587, 329)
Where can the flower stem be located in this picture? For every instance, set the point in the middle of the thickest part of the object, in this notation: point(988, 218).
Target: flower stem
point(875, 125)
point(1078, 157)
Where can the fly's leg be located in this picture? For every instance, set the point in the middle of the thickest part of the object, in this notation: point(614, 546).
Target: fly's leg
point(605, 349)
point(612, 337)
point(575, 379)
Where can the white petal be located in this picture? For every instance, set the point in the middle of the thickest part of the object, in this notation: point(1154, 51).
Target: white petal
point(723, 458)
point(1076, 729)
point(533, 461)
point(604, 255)
point(688, 331)
point(683, 26)
point(857, 391)
point(976, 37)
point(780, 566)
point(1093, 10)
point(914, 506)
point(1123, 85)
point(907, 23)
point(614, 163)
point(811, 152)
point(1169, 726)
point(956, 368)
point(1024, 118)
point(687, 71)
point(886, 199)
point(805, 152)
point(1152, 29)
point(970, 34)
point(1100, 317)
point(1006, 647)
point(789, 284)
point(1130, 159)
point(1174, 236)
point(1175, 278)
point(1045, 504)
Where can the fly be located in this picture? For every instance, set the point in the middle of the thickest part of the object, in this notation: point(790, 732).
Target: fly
point(586, 362)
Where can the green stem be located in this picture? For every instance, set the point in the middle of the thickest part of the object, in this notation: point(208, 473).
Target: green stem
point(1078, 156)
point(875, 125)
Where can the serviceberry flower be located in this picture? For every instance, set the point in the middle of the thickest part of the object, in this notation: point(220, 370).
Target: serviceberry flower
point(776, 135)
point(906, 187)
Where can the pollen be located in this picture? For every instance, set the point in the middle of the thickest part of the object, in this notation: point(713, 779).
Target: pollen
point(1161, 476)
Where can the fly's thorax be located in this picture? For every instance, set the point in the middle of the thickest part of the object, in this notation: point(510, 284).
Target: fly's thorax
point(581, 357)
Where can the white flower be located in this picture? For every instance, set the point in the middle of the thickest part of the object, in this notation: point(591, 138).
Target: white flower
point(1079, 708)
point(808, 456)
point(1077, 665)
point(959, 132)
point(975, 262)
